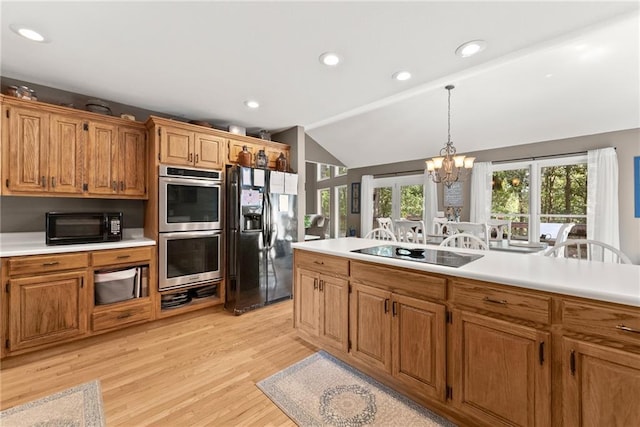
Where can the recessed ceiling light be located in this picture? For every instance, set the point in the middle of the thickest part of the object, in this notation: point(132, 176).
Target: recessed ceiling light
point(548, 75)
point(27, 33)
point(252, 103)
point(329, 58)
point(402, 75)
point(468, 49)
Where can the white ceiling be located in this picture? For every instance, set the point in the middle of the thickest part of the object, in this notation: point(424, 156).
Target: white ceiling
point(202, 60)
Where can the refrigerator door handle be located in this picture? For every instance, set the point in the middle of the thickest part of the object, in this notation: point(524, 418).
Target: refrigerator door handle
point(232, 252)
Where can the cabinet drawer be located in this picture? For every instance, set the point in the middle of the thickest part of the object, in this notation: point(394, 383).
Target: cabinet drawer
point(323, 263)
point(124, 313)
point(601, 319)
point(44, 264)
point(535, 308)
point(399, 280)
point(120, 256)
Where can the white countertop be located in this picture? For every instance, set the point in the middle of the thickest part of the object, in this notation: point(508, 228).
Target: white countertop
point(616, 283)
point(14, 244)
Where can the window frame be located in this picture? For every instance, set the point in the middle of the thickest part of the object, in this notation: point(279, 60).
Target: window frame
point(535, 186)
point(396, 183)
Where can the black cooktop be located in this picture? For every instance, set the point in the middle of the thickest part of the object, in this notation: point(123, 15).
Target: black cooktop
point(428, 256)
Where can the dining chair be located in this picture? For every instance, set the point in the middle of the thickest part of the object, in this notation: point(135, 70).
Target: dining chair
point(590, 250)
point(386, 223)
point(562, 236)
point(465, 240)
point(410, 231)
point(501, 227)
point(440, 226)
point(478, 229)
point(381, 234)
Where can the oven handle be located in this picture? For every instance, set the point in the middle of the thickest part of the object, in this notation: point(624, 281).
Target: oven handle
point(189, 234)
point(196, 182)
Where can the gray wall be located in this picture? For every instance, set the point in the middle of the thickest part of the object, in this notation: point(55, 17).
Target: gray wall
point(23, 214)
point(316, 153)
point(627, 145)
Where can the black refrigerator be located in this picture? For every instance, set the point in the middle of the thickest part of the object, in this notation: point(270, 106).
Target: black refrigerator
point(261, 223)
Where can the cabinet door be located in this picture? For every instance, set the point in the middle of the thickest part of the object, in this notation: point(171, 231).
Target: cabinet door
point(419, 345)
point(334, 312)
point(66, 163)
point(370, 319)
point(208, 151)
point(235, 147)
point(501, 371)
point(307, 313)
point(46, 309)
point(132, 168)
point(601, 385)
point(176, 146)
point(28, 150)
point(103, 158)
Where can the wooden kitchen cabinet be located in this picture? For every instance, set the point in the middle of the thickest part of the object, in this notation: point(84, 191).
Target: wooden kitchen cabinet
point(117, 160)
point(49, 150)
point(401, 335)
point(271, 149)
point(182, 147)
point(601, 385)
point(45, 152)
point(47, 300)
point(322, 299)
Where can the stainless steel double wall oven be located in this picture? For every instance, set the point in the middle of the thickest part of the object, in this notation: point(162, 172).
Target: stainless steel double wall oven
point(190, 225)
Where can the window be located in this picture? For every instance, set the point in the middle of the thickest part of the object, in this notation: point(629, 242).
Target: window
point(340, 170)
point(541, 195)
point(324, 203)
point(341, 211)
point(324, 171)
point(398, 197)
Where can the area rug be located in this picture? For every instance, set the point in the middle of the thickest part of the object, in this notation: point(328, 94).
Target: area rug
point(324, 391)
point(79, 406)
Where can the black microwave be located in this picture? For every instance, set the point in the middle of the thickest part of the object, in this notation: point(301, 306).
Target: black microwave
point(65, 228)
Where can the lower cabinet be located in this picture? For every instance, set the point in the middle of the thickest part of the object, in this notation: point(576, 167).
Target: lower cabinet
point(322, 307)
point(46, 308)
point(601, 385)
point(501, 371)
point(400, 335)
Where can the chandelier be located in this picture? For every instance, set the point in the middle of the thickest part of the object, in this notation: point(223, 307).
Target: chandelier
point(449, 168)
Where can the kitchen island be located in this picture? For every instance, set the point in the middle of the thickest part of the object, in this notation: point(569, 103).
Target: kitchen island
point(504, 339)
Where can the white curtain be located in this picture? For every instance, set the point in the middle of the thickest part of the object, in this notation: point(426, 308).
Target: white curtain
point(430, 202)
point(602, 197)
point(366, 204)
point(480, 208)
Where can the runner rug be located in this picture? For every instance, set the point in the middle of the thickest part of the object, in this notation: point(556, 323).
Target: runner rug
point(79, 406)
point(322, 390)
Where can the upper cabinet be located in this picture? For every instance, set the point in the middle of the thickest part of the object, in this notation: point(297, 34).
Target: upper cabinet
point(184, 144)
point(49, 150)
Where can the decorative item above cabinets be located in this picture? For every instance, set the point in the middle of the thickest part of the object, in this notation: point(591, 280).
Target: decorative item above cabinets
point(49, 150)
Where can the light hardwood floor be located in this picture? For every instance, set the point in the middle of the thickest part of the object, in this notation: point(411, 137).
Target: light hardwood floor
point(192, 370)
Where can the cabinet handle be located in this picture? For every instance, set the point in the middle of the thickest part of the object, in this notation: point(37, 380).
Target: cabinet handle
point(53, 181)
point(197, 158)
point(318, 262)
point(321, 285)
point(49, 264)
point(495, 301)
point(125, 315)
point(394, 308)
point(44, 181)
point(121, 185)
point(190, 157)
point(541, 352)
point(123, 256)
point(386, 305)
point(627, 329)
point(114, 184)
point(315, 284)
point(572, 363)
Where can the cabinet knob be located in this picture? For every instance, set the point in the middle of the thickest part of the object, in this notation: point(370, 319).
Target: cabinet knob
point(197, 155)
point(53, 181)
point(121, 185)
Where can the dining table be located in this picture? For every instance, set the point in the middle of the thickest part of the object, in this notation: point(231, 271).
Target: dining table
point(505, 245)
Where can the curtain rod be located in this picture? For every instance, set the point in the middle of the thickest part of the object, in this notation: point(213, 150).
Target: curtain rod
point(540, 157)
point(412, 172)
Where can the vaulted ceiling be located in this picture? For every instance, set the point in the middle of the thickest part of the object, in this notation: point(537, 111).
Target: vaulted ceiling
point(550, 70)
